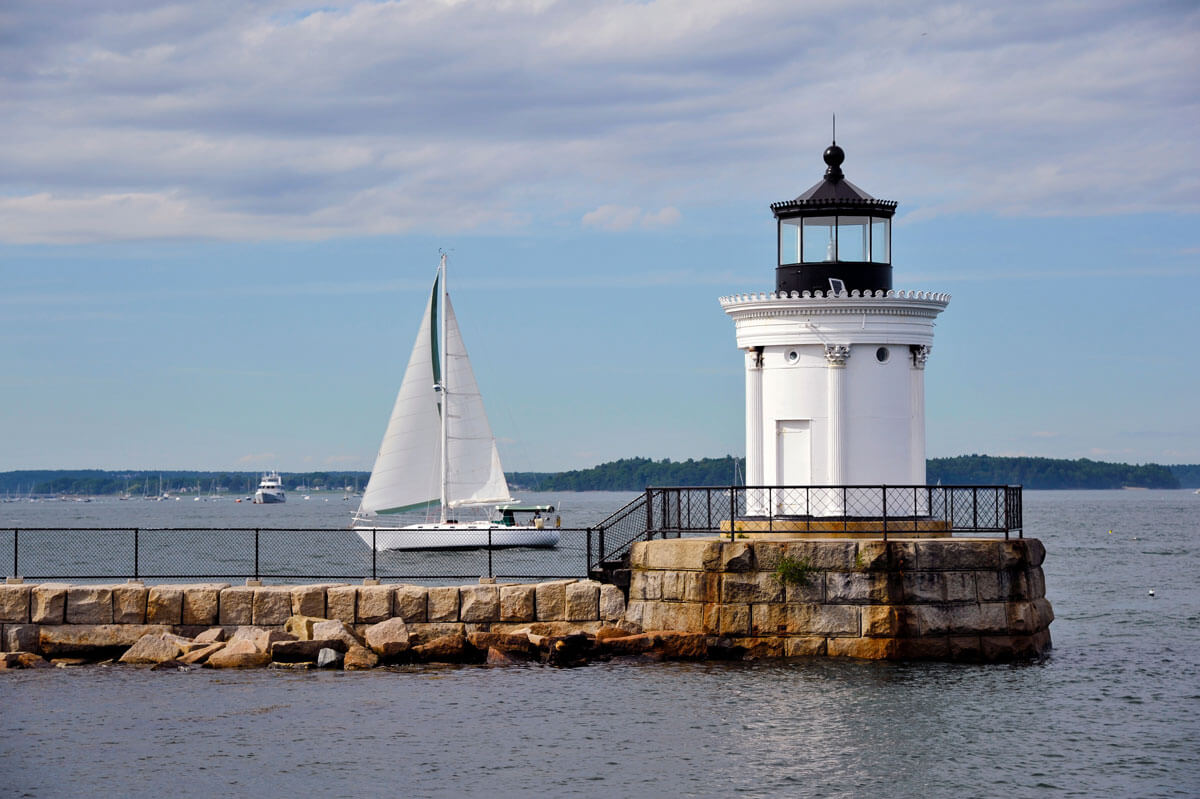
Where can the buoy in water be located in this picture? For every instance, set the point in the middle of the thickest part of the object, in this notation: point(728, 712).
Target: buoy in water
point(1151, 592)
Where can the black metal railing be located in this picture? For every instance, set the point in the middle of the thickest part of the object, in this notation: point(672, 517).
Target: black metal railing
point(283, 554)
point(169, 554)
point(882, 509)
point(869, 510)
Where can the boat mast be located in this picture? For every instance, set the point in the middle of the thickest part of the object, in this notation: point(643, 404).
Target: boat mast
point(445, 394)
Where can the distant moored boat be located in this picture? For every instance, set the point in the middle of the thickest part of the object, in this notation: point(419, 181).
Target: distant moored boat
point(270, 490)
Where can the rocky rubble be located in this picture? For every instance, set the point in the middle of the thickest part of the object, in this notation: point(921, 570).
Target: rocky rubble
point(313, 642)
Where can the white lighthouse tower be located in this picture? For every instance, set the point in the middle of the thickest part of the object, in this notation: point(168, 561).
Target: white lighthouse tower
point(835, 358)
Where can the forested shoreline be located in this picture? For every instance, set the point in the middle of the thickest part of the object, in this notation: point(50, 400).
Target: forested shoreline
point(627, 474)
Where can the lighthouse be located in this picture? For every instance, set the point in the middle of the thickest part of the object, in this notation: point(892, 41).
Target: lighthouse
point(835, 357)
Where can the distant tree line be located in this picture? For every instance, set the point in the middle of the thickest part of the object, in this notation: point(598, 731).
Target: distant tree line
point(634, 474)
point(1049, 473)
point(1188, 476)
point(96, 482)
point(627, 474)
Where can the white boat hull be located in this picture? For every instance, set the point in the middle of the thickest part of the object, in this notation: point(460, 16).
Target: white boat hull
point(269, 497)
point(456, 536)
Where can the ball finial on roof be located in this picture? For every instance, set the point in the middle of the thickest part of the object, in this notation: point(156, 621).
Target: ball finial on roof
point(834, 156)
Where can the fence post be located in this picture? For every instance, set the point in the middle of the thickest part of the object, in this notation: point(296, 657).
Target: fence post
point(136, 547)
point(845, 511)
point(16, 537)
point(256, 576)
point(587, 566)
point(808, 509)
point(374, 552)
point(732, 512)
point(975, 507)
point(884, 512)
point(649, 517)
point(601, 555)
point(771, 509)
point(489, 551)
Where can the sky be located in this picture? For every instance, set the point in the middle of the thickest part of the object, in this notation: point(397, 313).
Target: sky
point(219, 221)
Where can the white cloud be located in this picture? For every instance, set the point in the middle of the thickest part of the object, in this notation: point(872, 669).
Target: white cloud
point(244, 121)
point(664, 217)
point(612, 217)
point(620, 217)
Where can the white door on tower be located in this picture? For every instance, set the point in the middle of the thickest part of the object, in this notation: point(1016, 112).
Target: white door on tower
point(793, 454)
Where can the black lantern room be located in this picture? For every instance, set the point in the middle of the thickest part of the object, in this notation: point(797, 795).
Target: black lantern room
point(835, 236)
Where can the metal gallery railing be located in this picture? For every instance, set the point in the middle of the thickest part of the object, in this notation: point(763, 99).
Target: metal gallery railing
point(873, 510)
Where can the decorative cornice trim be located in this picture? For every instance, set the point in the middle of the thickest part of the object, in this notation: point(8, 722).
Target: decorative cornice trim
point(781, 303)
point(826, 297)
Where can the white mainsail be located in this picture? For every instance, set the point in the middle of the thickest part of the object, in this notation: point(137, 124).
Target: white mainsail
point(408, 469)
point(474, 475)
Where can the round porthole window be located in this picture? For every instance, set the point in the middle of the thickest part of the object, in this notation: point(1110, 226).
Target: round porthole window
point(793, 356)
point(882, 354)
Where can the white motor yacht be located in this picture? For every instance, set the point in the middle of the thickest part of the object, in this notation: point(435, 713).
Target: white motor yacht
point(270, 490)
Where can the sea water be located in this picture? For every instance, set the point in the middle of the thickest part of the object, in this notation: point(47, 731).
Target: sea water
point(1113, 711)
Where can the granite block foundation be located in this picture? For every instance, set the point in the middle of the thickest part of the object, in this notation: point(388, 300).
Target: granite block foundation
point(924, 599)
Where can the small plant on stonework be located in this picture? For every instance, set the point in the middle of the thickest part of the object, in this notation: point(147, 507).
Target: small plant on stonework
point(859, 563)
point(742, 535)
point(794, 571)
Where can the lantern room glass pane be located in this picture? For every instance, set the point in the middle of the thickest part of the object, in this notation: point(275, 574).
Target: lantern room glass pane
point(819, 239)
point(881, 241)
point(789, 241)
point(853, 238)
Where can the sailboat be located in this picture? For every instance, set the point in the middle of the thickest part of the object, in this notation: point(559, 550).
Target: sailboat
point(438, 450)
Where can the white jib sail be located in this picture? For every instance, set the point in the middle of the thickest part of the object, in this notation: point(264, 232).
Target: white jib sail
point(406, 472)
point(474, 474)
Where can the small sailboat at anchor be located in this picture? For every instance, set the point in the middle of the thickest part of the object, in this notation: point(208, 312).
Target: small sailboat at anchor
point(439, 450)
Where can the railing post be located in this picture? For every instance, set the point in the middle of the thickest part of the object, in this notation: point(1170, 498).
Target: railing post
point(771, 509)
point(732, 511)
point(915, 509)
point(975, 508)
point(374, 552)
point(885, 520)
point(649, 515)
point(16, 538)
point(256, 575)
point(808, 508)
point(489, 551)
point(845, 511)
point(678, 511)
point(136, 547)
point(587, 565)
point(601, 555)
point(1019, 508)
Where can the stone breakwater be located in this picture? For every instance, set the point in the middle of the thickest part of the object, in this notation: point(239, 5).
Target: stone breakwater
point(933, 599)
point(564, 622)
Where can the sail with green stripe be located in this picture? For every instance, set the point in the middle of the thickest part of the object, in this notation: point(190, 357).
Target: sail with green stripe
point(407, 474)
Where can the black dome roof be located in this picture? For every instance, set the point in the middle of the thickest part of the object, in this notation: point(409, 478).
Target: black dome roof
point(834, 192)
